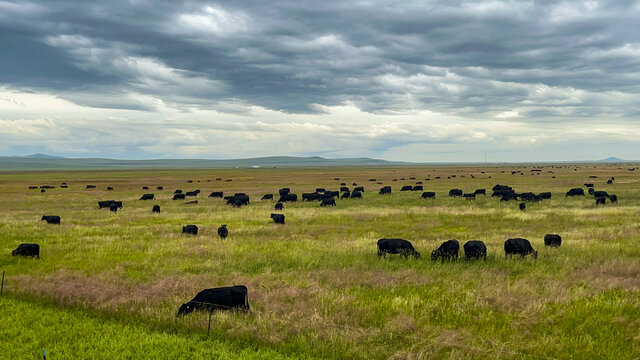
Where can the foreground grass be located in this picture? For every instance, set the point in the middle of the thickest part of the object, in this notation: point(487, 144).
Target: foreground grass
point(315, 285)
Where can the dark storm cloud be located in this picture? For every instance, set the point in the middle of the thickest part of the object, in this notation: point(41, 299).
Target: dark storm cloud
point(462, 57)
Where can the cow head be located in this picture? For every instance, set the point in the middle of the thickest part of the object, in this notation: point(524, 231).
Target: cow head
point(435, 254)
point(416, 254)
point(44, 217)
point(14, 252)
point(184, 309)
point(535, 254)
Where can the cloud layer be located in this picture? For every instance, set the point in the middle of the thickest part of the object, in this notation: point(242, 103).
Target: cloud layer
point(417, 80)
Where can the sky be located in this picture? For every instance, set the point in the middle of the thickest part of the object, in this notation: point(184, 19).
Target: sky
point(422, 81)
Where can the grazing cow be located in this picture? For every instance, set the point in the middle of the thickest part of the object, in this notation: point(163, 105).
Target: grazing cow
point(343, 184)
point(385, 190)
point(417, 188)
point(522, 206)
point(191, 193)
point(288, 198)
point(428, 195)
point(600, 194)
point(189, 181)
point(601, 200)
point(418, 182)
point(345, 195)
point(356, 195)
point(51, 219)
point(113, 208)
point(331, 193)
point(284, 191)
point(406, 188)
point(609, 181)
point(32, 250)
point(588, 185)
point(109, 188)
point(145, 188)
point(216, 194)
point(177, 191)
point(33, 187)
point(592, 177)
point(242, 197)
point(178, 197)
point(90, 187)
point(147, 197)
point(267, 197)
point(107, 203)
point(527, 196)
point(470, 196)
point(613, 198)
point(552, 240)
point(448, 250)
point(278, 218)
point(222, 298)
point(354, 184)
point(191, 202)
point(396, 246)
point(591, 191)
point(279, 206)
point(544, 195)
point(237, 203)
point(575, 192)
point(156, 209)
point(311, 196)
point(480, 192)
point(372, 180)
point(190, 229)
point(475, 249)
point(455, 192)
point(519, 246)
point(359, 188)
point(344, 189)
point(223, 232)
point(160, 188)
point(328, 201)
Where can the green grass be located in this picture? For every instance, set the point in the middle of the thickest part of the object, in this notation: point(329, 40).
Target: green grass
point(316, 286)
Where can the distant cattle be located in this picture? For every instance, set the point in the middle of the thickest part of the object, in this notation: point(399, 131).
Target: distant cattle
point(475, 249)
point(156, 209)
point(527, 196)
point(238, 199)
point(591, 191)
point(613, 198)
point(359, 188)
point(345, 195)
point(113, 208)
point(107, 204)
point(311, 196)
point(223, 232)
point(343, 184)
point(344, 189)
point(480, 192)
point(47, 187)
point(147, 197)
point(406, 188)
point(178, 197)
point(396, 246)
point(191, 193)
point(320, 190)
point(279, 206)
point(33, 187)
point(160, 188)
point(216, 194)
point(455, 192)
point(288, 197)
point(90, 187)
point(522, 206)
point(385, 190)
point(470, 196)
point(51, 219)
point(267, 197)
point(588, 185)
point(417, 188)
point(145, 188)
point(32, 250)
point(109, 188)
point(284, 191)
point(191, 202)
point(354, 184)
point(356, 195)
point(447, 251)
point(544, 195)
point(575, 192)
point(601, 200)
point(189, 181)
point(190, 229)
point(519, 246)
point(328, 202)
point(600, 194)
point(592, 177)
point(428, 195)
point(372, 180)
point(177, 191)
point(278, 218)
point(222, 298)
point(552, 240)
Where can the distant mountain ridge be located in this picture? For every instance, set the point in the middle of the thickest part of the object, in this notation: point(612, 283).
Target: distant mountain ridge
point(43, 156)
point(611, 160)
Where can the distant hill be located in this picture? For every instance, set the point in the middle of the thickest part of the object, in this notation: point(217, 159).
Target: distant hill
point(611, 160)
point(47, 162)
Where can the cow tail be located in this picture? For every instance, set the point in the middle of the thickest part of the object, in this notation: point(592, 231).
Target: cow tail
point(246, 301)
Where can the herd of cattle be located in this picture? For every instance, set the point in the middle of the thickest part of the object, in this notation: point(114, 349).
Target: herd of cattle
point(236, 297)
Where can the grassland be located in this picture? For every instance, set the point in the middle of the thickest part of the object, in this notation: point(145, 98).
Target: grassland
point(108, 285)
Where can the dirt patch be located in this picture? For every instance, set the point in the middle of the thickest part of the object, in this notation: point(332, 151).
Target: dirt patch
point(610, 275)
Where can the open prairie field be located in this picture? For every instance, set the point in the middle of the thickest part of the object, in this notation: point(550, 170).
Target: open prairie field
point(108, 285)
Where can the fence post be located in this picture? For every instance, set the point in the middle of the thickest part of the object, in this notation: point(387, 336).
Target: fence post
point(2, 286)
point(210, 312)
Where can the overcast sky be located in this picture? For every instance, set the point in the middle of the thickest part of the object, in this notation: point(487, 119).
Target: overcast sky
point(398, 80)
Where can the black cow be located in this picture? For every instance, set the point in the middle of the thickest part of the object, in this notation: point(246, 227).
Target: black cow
point(519, 246)
point(475, 249)
point(455, 192)
point(344, 189)
point(613, 198)
point(417, 188)
point(106, 203)
point(320, 190)
point(588, 185)
point(601, 200)
point(278, 218)
point(328, 201)
point(223, 231)
point(190, 229)
point(406, 188)
point(90, 187)
point(147, 197)
point(279, 206)
point(160, 188)
point(267, 197)
point(189, 181)
point(51, 219)
point(177, 191)
point(109, 188)
point(527, 196)
point(356, 195)
point(343, 184)
point(428, 195)
point(480, 192)
point(396, 246)
point(591, 191)
point(222, 298)
point(544, 195)
point(32, 250)
point(284, 191)
point(156, 209)
point(178, 197)
point(311, 196)
point(499, 187)
point(385, 190)
point(216, 194)
point(522, 206)
point(113, 208)
point(470, 196)
point(345, 195)
point(33, 187)
point(609, 181)
point(288, 197)
point(575, 192)
point(354, 184)
point(191, 202)
point(448, 250)
point(191, 193)
point(552, 240)
point(145, 188)
point(600, 194)
point(359, 188)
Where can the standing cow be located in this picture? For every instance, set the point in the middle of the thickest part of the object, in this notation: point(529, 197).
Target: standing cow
point(519, 246)
point(222, 298)
point(396, 246)
point(552, 240)
point(475, 249)
point(448, 250)
point(51, 219)
point(32, 250)
point(223, 232)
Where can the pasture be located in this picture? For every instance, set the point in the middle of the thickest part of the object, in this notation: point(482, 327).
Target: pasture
point(108, 285)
